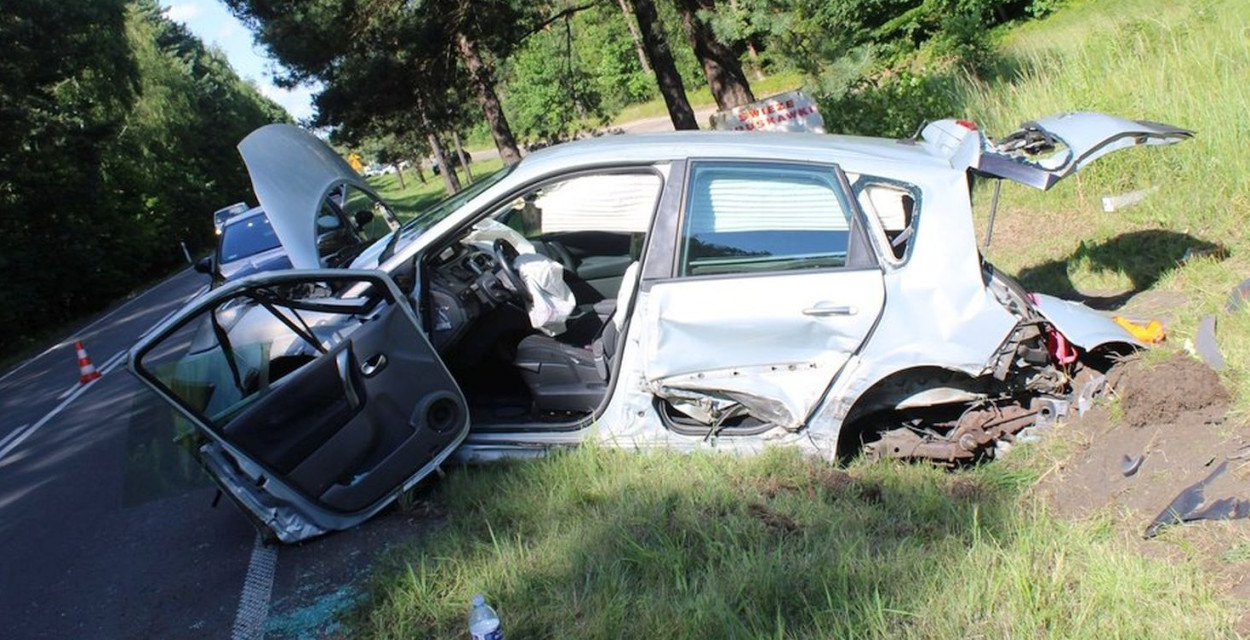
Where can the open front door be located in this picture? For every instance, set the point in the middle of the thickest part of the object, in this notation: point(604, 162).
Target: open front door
point(312, 397)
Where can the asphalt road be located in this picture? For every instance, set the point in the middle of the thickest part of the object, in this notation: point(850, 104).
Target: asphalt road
point(106, 526)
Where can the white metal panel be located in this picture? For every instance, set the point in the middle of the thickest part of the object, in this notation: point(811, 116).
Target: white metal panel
point(757, 336)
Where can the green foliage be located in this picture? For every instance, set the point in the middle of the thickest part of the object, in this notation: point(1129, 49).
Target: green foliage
point(892, 105)
point(105, 164)
point(552, 93)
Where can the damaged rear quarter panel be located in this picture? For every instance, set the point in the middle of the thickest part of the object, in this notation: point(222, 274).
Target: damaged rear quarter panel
point(938, 311)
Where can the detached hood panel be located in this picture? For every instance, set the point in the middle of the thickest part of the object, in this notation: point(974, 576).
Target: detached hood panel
point(292, 172)
point(1043, 152)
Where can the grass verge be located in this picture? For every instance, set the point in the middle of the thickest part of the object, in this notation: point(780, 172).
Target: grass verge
point(413, 196)
point(605, 544)
point(1182, 63)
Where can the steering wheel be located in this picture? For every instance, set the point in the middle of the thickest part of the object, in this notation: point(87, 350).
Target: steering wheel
point(506, 255)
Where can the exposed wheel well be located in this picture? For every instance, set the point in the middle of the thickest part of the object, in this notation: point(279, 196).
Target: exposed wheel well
point(909, 388)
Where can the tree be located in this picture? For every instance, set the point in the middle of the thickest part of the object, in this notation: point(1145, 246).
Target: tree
point(720, 64)
point(633, 31)
point(104, 161)
point(326, 39)
point(667, 77)
point(495, 118)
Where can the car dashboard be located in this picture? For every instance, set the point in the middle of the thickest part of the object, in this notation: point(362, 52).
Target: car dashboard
point(464, 284)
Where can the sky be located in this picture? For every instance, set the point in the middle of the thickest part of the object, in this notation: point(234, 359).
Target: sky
point(212, 23)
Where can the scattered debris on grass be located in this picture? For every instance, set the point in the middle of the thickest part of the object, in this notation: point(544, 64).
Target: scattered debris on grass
point(1165, 446)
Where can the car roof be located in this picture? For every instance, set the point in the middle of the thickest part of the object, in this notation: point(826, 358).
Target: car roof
point(246, 215)
point(732, 145)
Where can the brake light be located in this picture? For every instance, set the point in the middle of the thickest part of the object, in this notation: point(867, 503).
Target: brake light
point(967, 124)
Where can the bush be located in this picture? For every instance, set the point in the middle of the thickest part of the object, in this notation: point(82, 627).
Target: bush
point(892, 105)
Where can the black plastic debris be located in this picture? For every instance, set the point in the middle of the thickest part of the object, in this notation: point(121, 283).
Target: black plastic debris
point(1206, 346)
point(1186, 506)
point(1130, 465)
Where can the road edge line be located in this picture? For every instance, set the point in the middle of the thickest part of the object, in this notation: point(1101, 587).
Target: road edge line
point(13, 435)
point(44, 420)
point(107, 315)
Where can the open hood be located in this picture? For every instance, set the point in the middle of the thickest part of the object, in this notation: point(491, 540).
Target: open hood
point(1043, 152)
point(292, 172)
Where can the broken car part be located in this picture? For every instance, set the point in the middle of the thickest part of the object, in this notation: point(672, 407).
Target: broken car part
point(1188, 506)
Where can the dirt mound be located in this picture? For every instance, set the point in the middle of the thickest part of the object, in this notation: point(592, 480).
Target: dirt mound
point(1170, 433)
point(1168, 392)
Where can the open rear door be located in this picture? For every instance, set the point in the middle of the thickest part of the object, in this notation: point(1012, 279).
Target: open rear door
point(313, 397)
point(1043, 152)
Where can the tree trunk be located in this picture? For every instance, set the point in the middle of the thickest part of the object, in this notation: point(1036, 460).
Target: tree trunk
point(420, 172)
point(464, 160)
point(633, 31)
point(720, 64)
point(444, 168)
point(400, 172)
point(756, 70)
point(499, 128)
point(666, 74)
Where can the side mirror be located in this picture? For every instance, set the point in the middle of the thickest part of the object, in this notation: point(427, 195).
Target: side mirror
point(205, 265)
point(362, 218)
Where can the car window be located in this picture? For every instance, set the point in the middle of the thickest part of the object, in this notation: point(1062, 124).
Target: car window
point(894, 205)
point(243, 347)
point(360, 206)
point(247, 238)
point(763, 217)
point(611, 202)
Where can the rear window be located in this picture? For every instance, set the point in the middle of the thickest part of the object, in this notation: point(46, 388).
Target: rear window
point(247, 238)
point(763, 217)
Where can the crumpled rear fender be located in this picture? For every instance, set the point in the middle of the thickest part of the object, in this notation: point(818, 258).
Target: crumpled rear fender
point(1081, 325)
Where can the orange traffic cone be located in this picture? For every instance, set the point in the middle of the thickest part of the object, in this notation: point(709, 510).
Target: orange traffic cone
point(86, 370)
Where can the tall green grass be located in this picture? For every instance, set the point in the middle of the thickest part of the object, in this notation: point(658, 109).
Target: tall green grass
point(605, 544)
point(1183, 63)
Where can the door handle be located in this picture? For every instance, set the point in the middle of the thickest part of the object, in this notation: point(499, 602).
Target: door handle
point(373, 366)
point(822, 309)
point(349, 389)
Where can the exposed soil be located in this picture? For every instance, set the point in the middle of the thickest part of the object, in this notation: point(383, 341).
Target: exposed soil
point(1173, 417)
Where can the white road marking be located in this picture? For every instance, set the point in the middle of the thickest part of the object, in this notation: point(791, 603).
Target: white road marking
point(104, 368)
point(112, 362)
point(12, 435)
point(82, 330)
point(249, 620)
point(44, 420)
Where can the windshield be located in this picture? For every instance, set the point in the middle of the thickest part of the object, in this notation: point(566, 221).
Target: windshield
point(247, 238)
point(443, 208)
point(431, 215)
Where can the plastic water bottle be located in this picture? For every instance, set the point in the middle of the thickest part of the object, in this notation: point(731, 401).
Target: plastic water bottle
point(483, 621)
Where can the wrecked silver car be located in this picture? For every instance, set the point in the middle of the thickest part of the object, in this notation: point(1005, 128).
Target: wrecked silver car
point(725, 290)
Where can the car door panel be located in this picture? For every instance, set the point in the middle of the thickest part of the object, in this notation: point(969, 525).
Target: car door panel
point(773, 342)
point(774, 288)
point(334, 403)
point(284, 429)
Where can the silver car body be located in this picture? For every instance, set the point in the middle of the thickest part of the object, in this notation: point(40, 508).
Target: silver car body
point(801, 351)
